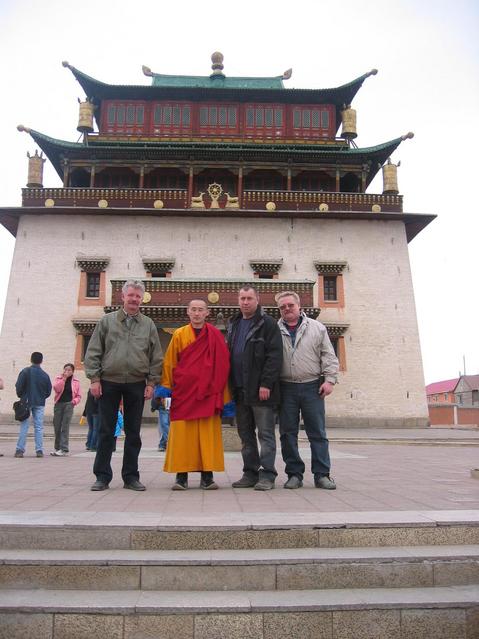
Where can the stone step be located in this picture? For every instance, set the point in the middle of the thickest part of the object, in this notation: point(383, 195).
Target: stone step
point(393, 613)
point(148, 531)
point(269, 569)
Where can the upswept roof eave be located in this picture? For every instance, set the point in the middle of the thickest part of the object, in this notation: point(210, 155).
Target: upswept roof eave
point(343, 94)
point(56, 150)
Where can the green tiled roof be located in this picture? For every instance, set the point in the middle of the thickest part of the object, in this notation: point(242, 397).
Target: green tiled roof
point(57, 150)
point(215, 82)
point(218, 88)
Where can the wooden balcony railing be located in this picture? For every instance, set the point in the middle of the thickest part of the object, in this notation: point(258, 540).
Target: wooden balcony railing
point(128, 198)
point(177, 199)
point(312, 200)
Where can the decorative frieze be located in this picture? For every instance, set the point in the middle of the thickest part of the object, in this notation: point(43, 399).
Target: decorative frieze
point(199, 285)
point(92, 264)
point(84, 327)
point(326, 268)
point(159, 264)
point(266, 266)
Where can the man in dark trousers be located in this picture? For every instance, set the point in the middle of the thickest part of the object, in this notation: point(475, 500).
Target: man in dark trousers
point(123, 362)
point(35, 385)
point(256, 352)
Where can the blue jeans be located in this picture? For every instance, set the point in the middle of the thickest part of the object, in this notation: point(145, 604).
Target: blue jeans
point(163, 426)
point(93, 424)
point(37, 419)
point(249, 419)
point(305, 398)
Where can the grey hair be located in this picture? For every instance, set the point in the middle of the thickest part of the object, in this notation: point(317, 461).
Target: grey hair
point(133, 284)
point(287, 294)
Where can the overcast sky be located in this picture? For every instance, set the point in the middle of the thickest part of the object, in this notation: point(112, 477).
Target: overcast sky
point(427, 54)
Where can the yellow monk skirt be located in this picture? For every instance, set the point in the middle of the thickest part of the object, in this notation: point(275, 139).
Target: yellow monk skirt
point(195, 444)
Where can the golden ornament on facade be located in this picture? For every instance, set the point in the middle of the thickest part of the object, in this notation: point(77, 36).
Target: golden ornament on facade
point(376, 208)
point(49, 203)
point(323, 207)
point(103, 204)
point(146, 297)
point(214, 191)
point(213, 297)
point(270, 206)
point(158, 204)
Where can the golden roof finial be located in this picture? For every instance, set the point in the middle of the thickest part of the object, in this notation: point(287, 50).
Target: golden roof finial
point(217, 60)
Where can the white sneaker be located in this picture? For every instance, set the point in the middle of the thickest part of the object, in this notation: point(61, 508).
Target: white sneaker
point(58, 453)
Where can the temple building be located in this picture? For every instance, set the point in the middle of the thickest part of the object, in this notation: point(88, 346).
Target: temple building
point(199, 184)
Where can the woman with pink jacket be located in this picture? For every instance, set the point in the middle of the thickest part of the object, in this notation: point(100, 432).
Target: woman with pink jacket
point(67, 395)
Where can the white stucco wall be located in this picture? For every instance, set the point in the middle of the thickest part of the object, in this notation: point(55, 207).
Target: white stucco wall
point(383, 384)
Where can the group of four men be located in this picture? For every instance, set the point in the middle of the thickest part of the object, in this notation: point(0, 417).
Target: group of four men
point(264, 365)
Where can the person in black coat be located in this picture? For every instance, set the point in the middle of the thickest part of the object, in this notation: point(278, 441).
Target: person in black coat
point(256, 349)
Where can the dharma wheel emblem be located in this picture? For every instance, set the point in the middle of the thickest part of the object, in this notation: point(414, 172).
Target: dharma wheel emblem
point(215, 190)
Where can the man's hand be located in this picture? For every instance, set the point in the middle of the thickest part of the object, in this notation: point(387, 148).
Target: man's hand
point(326, 389)
point(148, 392)
point(95, 388)
point(264, 393)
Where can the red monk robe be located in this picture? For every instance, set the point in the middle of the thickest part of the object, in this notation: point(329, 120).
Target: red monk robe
point(196, 369)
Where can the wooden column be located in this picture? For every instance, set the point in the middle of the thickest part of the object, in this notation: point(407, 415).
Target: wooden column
point(66, 173)
point(240, 186)
point(92, 176)
point(288, 179)
point(338, 183)
point(189, 195)
point(142, 176)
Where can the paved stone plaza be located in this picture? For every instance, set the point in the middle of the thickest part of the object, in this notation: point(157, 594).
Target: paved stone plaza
point(375, 470)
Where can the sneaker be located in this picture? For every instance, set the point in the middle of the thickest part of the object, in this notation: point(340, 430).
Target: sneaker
point(293, 482)
point(264, 484)
point(161, 449)
point(18, 453)
point(58, 453)
point(245, 482)
point(39, 453)
point(181, 482)
point(324, 482)
point(207, 482)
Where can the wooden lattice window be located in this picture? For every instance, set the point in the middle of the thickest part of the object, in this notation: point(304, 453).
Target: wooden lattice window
point(92, 285)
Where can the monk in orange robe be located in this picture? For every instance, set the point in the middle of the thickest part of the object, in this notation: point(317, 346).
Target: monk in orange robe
point(196, 369)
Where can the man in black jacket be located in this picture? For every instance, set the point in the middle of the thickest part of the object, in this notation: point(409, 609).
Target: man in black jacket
point(256, 350)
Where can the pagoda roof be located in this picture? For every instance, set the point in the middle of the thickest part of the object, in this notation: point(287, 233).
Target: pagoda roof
point(217, 87)
point(144, 151)
point(215, 81)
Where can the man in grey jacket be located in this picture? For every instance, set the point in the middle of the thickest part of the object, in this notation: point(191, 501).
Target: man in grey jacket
point(123, 362)
point(308, 375)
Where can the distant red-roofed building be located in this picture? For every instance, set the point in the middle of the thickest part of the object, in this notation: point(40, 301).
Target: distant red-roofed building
point(442, 392)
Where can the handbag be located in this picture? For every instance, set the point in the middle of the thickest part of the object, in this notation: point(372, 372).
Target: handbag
point(21, 409)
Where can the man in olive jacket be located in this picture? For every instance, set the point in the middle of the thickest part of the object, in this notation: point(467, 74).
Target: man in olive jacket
point(256, 351)
point(123, 362)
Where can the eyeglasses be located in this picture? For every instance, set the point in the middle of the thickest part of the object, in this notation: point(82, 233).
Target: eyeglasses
point(283, 307)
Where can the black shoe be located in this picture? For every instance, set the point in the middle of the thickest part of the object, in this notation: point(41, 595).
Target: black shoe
point(265, 484)
point(293, 482)
point(324, 481)
point(245, 482)
point(207, 482)
point(134, 484)
point(181, 482)
point(100, 485)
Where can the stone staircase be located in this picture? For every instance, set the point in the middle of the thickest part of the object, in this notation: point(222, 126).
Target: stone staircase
point(237, 580)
